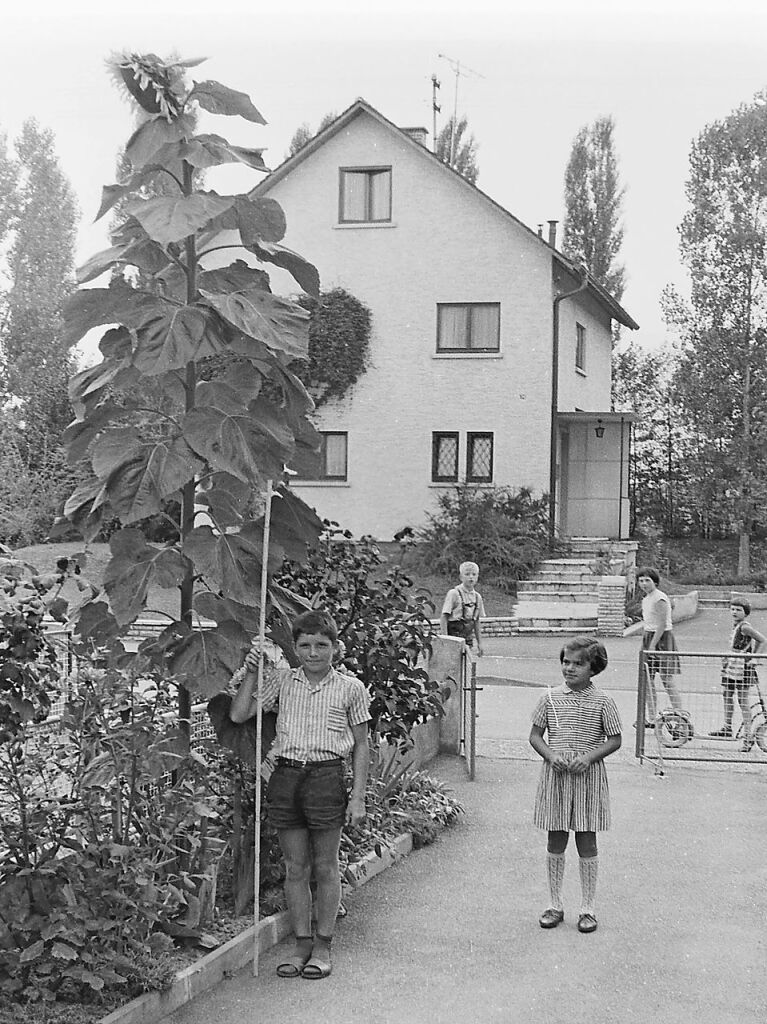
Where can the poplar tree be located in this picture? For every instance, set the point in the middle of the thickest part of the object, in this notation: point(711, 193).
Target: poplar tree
point(593, 230)
point(458, 149)
point(721, 381)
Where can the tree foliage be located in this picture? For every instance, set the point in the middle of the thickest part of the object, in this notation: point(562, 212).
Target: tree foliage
point(339, 344)
point(458, 149)
point(210, 443)
point(38, 218)
point(304, 134)
point(721, 379)
point(593, 232)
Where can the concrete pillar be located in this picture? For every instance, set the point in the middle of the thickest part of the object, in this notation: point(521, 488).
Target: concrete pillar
point(611, 610)
point(445, 667)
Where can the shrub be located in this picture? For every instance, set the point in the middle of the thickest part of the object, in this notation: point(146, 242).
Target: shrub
point(384, 625)
point(503, 530)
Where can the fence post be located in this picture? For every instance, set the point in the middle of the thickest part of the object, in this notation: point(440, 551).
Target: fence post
point(446, 668)
point(611, 610)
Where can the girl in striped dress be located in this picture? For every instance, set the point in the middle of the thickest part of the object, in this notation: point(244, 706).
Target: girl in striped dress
point(582, 727)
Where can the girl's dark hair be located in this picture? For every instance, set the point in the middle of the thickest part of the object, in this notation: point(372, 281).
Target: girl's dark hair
point(315, 622)
point(741, 602)
point(594, 651)
point(651, 574)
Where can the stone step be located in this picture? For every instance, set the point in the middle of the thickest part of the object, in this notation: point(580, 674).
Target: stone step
point(559, 586)
point(564, 597)
point(547, 614)
point(566, 563)
point(560, 630)
point(568, 575)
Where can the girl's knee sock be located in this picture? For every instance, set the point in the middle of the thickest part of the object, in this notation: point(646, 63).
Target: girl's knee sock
point(588, 868)
point(555, 869)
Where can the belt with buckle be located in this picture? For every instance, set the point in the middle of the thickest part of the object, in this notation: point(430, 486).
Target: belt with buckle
point(332, 762)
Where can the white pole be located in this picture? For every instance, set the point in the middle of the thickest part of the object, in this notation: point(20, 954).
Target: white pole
point(261, 637)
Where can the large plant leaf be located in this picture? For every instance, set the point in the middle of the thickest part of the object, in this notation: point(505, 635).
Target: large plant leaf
point(170, 218)
point(304, 272)
point(112, 194)
point(222, 609)
point(231, 562)
point(253, 447)
point(227, 499)
point(100, 263)
point(95, 622)
point(238, 276)
point(279, 324)
point(294, 525)
point(205, 151)
point(169, 336)
point(133, 566)
point(80, 434)
point(86, 508)
point(140, 476)
point(152, 135)
point(92, 307)
point(219, 99)
point(207, 659)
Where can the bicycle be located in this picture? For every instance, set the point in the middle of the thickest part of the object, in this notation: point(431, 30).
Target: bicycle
point(673, 727)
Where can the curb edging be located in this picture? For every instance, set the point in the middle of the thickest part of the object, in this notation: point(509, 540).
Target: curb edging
point(221, 963)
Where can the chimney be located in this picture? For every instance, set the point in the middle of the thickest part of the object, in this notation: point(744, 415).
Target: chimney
point(418, 135)
point(553, 233)
point(540, 230)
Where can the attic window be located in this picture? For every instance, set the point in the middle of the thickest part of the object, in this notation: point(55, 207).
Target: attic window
point(364, 195)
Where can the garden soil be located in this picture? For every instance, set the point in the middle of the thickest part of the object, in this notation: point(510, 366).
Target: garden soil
point(451, 935)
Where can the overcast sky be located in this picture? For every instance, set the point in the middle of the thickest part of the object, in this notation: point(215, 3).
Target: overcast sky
point(535, 73)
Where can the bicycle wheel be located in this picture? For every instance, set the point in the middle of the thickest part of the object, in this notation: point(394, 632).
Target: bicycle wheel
point(674, 728)
point(760, 735)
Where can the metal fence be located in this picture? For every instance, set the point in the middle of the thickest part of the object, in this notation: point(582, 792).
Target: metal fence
point(701, 706)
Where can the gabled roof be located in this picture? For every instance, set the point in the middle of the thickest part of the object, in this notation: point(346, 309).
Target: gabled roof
point(360, 106)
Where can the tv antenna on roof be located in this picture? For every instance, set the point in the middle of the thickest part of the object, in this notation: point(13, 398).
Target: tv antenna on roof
point(458, 70)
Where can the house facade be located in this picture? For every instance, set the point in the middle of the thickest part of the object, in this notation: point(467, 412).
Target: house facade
point(466, 337)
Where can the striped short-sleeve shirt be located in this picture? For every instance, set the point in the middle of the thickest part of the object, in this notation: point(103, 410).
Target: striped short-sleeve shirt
point(577, 719)
point(314, 720)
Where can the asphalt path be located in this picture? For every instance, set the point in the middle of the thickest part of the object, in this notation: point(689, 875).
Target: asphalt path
point(450, 934)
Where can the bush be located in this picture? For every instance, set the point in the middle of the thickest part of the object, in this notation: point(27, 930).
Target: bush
point(505, 531)
point(384, 626)
point(107, 834)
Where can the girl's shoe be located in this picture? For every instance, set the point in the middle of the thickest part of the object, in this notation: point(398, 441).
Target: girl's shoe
point(725, 732)
point(587, 923)
point(551, 918)
point(746, 746)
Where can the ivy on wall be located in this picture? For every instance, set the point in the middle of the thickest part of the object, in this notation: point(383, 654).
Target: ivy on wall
point(339, 344)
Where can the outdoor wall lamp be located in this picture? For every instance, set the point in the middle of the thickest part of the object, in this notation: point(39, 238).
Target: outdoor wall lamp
point(599, 429)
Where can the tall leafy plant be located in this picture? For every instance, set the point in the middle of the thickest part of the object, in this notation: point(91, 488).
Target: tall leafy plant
point(193, 400)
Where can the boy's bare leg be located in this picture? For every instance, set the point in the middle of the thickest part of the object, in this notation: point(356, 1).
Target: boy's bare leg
point(673, 691)
point(296, 850)
point(744, 700)
point(324, 845)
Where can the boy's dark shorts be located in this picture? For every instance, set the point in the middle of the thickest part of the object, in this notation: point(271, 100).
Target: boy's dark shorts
point(312, 798)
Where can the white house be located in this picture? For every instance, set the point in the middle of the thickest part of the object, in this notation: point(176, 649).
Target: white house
point(473, 343)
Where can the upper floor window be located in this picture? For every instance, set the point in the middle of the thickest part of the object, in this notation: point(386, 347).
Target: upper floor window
point(479, 458)
point(444, 457)
point(468, 326)
point(580, 347)
point(365, 195)
point(332, 463)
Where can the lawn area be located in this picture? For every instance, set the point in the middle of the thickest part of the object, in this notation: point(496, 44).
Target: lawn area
point(43, 558)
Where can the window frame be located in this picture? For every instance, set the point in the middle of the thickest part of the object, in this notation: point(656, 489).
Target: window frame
point(436, 436)
point(368, 172)
point(322, 476)
point(468, 349)
point(471, 437)
point(580, 347)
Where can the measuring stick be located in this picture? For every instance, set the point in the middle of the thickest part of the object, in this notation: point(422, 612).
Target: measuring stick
point(259, 701)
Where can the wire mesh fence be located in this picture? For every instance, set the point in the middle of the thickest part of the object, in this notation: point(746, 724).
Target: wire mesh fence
point(701, 706)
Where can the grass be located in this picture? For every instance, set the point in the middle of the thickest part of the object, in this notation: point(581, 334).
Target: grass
point(43, 558)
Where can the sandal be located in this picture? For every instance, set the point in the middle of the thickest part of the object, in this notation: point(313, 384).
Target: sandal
point(587, 923)
point(551, 918)
point(292, 967)
point(316, 969)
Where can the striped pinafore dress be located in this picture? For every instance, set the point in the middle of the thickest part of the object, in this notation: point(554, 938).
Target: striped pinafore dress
point(574, 722)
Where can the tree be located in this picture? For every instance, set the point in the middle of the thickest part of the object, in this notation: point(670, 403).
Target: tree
point(304, 134)
point(593, 233)
point(721, 380)
point(205, 442)
point(457, 149)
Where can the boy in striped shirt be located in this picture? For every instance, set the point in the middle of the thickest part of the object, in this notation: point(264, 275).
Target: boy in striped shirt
point(322, 717)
